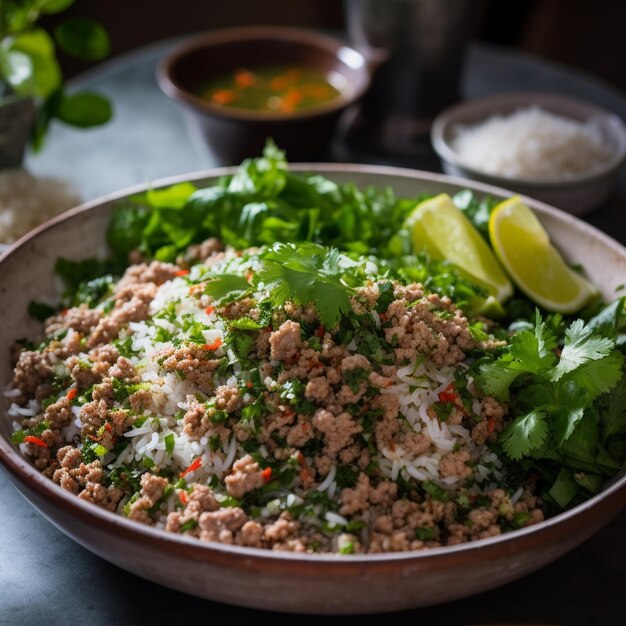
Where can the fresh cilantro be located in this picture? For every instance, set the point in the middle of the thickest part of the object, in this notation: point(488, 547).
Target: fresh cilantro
point(598, 377)
point(227, 286)
point(496, 378)
point(169, 443)
point(346, 476)
point(582, 345)
point(18, 436)
point(355, 377)
point(75, 273)
point(426, 533)
point(529, 352)
point(385, 296)
point(307, 273)
point(563, 411)
point(443, 409)
point(477, 331)
point(241, 343)
point(614, 417)
point(534, 350)
point(218, 417)
point(526, 433)
point(245, 323)
point(520, 519)
point(91, 292)
point(354, 526)
point(436, 492)
point(125, 346)
point(188, 525)
point(567, 405)
point(173, 197)
point(127, 478)
point(252, 413)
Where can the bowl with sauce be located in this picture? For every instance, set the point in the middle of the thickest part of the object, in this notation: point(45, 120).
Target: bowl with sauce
point(554, 148)
point(239, 87)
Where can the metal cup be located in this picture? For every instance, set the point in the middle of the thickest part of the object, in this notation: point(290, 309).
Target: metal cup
point(416, 50)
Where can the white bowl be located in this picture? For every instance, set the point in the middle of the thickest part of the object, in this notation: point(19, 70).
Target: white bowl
point(577, 195)
point(302, 583)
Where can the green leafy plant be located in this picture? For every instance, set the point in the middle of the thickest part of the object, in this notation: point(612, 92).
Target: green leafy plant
point(29, 65)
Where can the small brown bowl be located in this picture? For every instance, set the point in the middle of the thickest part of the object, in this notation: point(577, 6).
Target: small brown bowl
point(233, 134)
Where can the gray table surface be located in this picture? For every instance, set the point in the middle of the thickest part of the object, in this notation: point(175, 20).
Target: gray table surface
point(45, 578)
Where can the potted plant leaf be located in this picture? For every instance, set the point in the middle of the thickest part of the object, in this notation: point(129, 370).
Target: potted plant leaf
point(31, 81)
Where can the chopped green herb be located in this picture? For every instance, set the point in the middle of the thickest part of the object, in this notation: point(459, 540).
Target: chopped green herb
point(426, 533)
point(188, 525)
point(436, 492)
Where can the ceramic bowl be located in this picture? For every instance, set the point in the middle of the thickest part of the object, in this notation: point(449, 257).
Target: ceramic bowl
point(579, 194)
point(233, 134)
point(284, 581)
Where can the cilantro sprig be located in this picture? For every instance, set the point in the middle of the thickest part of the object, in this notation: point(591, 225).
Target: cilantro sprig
point(307, 273)
point(555, 393)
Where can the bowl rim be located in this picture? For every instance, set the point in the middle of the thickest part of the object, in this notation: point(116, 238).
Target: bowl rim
point(25, 473)
point(515, 100)
point(297, 36)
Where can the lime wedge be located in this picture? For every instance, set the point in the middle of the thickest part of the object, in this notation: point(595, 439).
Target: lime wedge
point(536, 267)
point(438, 227)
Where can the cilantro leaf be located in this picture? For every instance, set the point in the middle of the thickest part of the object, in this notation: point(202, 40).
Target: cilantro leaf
point(307, 273)
point(569, 404)
point(524, 434)
point(263, 177)
point(173, 197)
point(614, 417)
point(581, 346)
point(495, 378)
point(529, 352)
point(598, 377)
point(545, 336)
point(226, 285)
point(525, 348)
point(529, 349)
point(580, 450)
point(539, 393)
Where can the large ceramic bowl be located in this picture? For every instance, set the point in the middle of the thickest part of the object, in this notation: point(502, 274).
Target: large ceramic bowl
point(274, 580)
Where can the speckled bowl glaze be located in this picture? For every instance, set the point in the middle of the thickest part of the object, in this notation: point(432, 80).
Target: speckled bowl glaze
point(280, 581)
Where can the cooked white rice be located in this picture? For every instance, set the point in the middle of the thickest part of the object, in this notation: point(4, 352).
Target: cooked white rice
point(531, 144)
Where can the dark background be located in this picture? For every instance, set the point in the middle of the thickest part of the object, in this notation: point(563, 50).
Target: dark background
point(584, 34)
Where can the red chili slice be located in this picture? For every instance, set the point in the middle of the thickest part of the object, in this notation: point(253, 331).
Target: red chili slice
point(192, 468)
point(35, 440)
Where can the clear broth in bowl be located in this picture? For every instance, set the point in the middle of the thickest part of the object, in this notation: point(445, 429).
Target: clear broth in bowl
point(271, 89)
